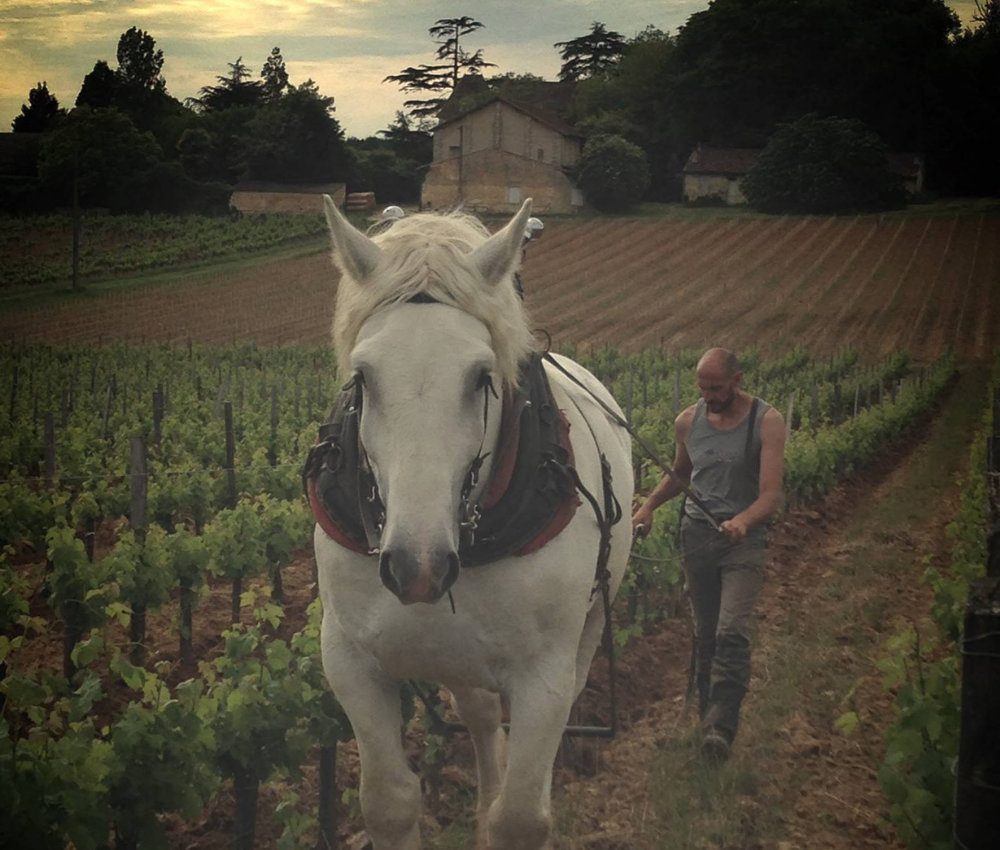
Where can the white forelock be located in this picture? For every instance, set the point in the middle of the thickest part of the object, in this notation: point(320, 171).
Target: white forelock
point(430, 253)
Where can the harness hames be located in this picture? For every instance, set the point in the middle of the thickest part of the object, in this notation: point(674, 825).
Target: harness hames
point(531, 495)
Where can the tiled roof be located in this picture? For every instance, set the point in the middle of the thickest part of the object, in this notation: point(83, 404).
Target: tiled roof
point(549, 119)
point(730, 161)
point(738, 161)
point(905, 164)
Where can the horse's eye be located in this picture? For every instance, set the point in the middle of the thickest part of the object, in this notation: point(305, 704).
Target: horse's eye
point(485, 382)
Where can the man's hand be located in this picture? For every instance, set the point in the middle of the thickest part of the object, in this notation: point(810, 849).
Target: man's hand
point(735, 529)
point(644, 517)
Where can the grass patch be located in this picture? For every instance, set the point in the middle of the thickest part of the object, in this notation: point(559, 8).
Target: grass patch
point(43, 296)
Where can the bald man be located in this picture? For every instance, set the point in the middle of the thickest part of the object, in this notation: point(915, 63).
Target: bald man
point(730, 451)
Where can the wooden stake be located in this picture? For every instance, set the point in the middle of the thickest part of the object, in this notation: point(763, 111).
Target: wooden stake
point(107, 414)
point(274, 425)
point(788, 416)
point(50, 451)
point(230, 456)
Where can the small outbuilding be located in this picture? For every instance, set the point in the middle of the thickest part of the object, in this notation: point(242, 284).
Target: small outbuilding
point(719, 172)
point(909, 166)
point(262, 197)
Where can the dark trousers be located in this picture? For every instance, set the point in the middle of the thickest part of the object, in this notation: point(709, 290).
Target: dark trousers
point(723, 582)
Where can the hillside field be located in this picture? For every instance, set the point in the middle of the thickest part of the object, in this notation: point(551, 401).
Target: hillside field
point(878, 283)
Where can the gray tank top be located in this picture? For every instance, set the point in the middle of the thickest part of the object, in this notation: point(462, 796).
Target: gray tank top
point(722, 476)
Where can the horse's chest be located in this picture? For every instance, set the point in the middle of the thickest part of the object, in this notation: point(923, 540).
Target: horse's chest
point(438, 652)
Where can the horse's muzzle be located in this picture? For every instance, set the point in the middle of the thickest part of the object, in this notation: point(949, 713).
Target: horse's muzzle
point(423, 577)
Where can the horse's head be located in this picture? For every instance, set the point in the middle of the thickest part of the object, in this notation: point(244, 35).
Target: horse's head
point(429, 322)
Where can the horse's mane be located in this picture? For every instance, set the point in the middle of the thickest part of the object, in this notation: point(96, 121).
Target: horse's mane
point(429, 253)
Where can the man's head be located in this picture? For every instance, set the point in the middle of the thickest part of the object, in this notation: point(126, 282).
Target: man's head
point(719, 378)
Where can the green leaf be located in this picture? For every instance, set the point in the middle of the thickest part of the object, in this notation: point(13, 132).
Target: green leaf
point(133, 676)
point(87, 650)
point(279, 656)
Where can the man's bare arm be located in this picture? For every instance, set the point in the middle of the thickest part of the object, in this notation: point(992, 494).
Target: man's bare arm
point(669, 486)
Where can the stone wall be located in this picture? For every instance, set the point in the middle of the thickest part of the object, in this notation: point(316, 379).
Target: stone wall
point(498, 181)
point(714, 185)
point(282, 202)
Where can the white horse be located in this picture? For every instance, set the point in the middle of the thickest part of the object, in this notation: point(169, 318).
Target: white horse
point(524, 628)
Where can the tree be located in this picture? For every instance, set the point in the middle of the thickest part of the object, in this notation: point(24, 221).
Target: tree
point(590, 55)
point(745, 66)
point(612, 172)
point(139, 89)
point(392, 178)
point(443, 77)
point(233, 89)
point(296, 138)
point(823, 165)
point(99, 87)
point(987, 16)
point(37, 114)
point(197, 154)
point(631, 100)
point(139, 62)
point(410, 139)
point(106, 149)
point(274, 76)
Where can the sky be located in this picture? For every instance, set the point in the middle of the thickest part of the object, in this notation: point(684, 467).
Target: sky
point(346, 46)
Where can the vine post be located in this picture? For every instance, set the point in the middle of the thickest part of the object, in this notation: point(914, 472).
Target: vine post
point(327, 815)
point(138, 505)
point(231, 495)
point(273, 451)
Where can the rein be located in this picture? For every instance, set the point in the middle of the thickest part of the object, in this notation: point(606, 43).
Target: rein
point(652, 455)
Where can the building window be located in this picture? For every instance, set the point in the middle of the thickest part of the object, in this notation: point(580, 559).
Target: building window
point(576, 198)
point(454, 151)
point(541, 153)
point(514, 195)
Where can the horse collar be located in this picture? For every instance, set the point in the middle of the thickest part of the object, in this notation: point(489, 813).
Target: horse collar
point(530, 498)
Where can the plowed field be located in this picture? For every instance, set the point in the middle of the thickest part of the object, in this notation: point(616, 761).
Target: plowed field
point(878, 283)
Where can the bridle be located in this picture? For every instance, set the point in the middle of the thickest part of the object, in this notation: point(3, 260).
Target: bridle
point(469, 510)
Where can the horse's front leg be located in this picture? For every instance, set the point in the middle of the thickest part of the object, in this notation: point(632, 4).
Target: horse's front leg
point(481, 713)
point(390, 791)
point(520, 818)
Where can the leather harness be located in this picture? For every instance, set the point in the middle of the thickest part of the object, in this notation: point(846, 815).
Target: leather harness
point(531, 497)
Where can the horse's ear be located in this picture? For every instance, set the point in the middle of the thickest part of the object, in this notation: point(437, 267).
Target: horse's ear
point(355, 253)
point(498, 256)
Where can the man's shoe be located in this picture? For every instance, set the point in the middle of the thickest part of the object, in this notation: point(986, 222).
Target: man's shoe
point(715, 746)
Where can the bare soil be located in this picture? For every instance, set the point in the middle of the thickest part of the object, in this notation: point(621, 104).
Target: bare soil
point(871, 282)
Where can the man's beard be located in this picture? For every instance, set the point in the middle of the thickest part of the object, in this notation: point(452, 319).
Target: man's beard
point(720, 406)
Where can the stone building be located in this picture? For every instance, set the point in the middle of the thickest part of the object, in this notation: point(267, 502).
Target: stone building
point(499, 152)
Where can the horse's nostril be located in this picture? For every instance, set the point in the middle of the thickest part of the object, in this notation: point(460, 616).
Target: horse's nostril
point(454, 565)
point(385, 572)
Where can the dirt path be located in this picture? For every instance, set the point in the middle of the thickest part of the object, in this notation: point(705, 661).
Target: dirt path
point(842, 578)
